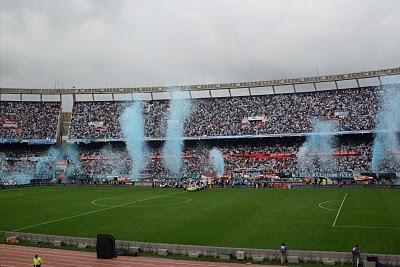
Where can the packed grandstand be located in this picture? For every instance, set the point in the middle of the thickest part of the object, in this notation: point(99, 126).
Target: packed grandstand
point(259, 135)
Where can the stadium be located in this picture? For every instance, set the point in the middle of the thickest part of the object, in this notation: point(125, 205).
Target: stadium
point(76, 165)
point(199, 133)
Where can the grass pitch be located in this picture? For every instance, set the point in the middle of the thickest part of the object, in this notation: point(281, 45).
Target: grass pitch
point(307, 219)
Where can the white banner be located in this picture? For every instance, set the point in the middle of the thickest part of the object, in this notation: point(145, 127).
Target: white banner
point(96, 124)
point(9, 124)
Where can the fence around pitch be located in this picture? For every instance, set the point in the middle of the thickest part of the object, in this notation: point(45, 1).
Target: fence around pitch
point(211, 251)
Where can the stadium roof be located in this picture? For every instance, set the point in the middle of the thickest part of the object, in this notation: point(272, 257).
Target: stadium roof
point(289, 85)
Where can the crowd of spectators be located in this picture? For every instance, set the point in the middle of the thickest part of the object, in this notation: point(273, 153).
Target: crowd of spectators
point(352, 109)
point(19, 159)
point(178, 183)
point(29, 120)
point(274, 157)
point(245, 158)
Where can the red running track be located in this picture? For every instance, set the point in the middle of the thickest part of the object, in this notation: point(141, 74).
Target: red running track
point(16, 256)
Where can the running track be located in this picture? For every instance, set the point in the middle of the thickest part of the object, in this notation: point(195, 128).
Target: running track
point(15, 256)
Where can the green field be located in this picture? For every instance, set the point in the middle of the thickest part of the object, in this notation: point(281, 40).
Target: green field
point(256, 218)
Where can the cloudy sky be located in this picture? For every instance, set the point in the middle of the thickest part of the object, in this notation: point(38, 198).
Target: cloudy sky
point(91, 43)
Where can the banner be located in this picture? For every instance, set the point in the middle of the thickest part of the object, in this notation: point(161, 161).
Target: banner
point(9, 124)
point(333, 175)
point(40, 141)
point(288, 154)
point(341, 114)
point(96, 124)
point(363, 178)
point(61, 164)
point(261, 155)
point(254, 118)
point(101, 129)
point(8, 140)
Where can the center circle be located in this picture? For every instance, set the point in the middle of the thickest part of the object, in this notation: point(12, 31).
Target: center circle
point(171, 201)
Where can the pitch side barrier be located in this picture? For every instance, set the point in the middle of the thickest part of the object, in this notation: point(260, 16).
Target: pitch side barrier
point(64, 185)
point(134, 247)
point(157, 185)
point(394, 186)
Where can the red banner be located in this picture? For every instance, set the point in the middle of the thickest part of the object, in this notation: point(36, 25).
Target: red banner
point(9, 124)
point(261, 155)
point(281, 156)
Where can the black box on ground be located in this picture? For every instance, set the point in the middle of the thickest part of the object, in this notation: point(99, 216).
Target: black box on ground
point(105, 246)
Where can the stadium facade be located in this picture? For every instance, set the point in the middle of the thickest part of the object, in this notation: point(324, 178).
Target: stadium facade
point(90, 116)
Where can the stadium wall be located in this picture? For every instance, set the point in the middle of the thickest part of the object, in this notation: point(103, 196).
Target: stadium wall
point(294, 256)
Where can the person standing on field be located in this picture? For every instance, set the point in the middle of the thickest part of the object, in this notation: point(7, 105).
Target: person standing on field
point(283, 251)
point(356, 255)
point(37, 261)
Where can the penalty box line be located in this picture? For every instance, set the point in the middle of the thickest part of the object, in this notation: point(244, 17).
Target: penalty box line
point(92, 212)
point(368, 227)
point(340, 208)
point(359, 226)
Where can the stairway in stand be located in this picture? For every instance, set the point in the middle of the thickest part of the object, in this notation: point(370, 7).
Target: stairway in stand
point(65, 123)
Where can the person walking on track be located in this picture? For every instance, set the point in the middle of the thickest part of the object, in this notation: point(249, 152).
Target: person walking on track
point(37, 261)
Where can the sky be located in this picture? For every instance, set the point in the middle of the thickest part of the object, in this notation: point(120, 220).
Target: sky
point(116, 43)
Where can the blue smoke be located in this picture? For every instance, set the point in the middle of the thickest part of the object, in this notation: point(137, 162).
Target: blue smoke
point(386, 141)
point(3, 165)
point(115, 161)
point(20, 178)
point(132, 124)
point(377, 151)
point(316, 153)
point(45, 165)
point(71, 154)
point(217, 160)
point(179, 111)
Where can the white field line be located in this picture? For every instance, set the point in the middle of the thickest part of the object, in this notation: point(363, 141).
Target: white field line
point(91, 212)
point(340, 208)
point(368, 227)
point(187, 200)
point(325, 208)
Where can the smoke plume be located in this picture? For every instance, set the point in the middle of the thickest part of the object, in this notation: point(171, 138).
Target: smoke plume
point(316, 153)
point(132, 124)
point(217, 161)
point(386, 144)
point(179, 111)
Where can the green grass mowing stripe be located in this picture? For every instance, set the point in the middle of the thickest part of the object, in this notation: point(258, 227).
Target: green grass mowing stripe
point(340, 208)
point(91, 212)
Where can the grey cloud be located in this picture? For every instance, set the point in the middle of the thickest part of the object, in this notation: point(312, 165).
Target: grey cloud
point(177, 42)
